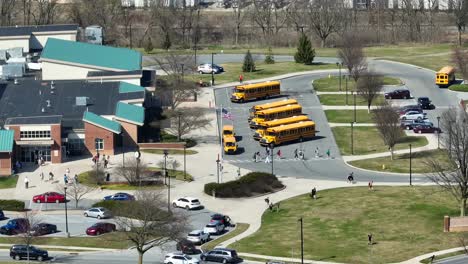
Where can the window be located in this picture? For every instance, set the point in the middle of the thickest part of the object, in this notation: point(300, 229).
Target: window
point(99, 142)
point(35, 134)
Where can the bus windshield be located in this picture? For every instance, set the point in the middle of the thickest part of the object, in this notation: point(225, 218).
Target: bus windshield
point(237, 90)
point(230, 144)
point(227, 132)
point(261, 116)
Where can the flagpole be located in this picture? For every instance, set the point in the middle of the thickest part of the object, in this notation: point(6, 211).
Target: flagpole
point(221, 143)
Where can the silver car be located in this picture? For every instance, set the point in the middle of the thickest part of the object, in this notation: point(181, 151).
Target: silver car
point(214, 228)
point(198, 236)
point(98, 212)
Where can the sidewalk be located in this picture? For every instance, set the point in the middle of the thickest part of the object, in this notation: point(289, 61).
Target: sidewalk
point(348, 124)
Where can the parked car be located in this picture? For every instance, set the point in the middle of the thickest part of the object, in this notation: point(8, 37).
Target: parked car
point(426, 129)
point(223, 219)
point(49, 197)
point(98, 212)
point(409, 109)
point(120, 196)
point(19, 252)
point(187, 203)
point(398, 94)
point(43, 229)
point(100, 228)
point(178, 258)
point(425, 103)
point(198, 236)
point(224, 255)
point(187, 247)
point(15, 226)
point(206, 68)
point(214, 228)
point(412, 115)
point(410, 124)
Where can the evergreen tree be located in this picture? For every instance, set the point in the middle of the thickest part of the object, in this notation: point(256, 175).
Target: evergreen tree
point(305, 53)
point(249, 63)
point(149, 45)
point(167, 42)
point(270, 58)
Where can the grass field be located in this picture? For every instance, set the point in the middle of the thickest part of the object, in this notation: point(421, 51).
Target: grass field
point(332, 84)
point(233, 70)
point(170, 151)
point(367, 140)
point(347, 116)
point(240, 228)
point(459, 87)
point(400, 163)
point(340, 99)
point(405, 222)
point(8, 182)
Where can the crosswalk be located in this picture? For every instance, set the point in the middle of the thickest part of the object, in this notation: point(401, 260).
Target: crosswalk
point(278, 160)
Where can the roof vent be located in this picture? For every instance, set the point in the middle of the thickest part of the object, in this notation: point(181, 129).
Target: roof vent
point(15, 81)
point(52, 87)
point(43, 110)
point(82, 101)
point(40, 92)
point(48, 103)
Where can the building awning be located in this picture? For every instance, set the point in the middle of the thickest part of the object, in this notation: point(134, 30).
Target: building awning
point(34, 142)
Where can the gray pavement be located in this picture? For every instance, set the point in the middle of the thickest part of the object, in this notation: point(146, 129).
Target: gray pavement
point(462, 259)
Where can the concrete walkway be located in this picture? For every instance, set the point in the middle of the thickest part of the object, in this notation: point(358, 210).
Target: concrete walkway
point(349, 124)
point(347, 107)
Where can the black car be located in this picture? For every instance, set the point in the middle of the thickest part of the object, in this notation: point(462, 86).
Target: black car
point(410, 124)
point(223, 219)
point(15, 226)
point(187, 247)
point(224, 255)
point(43, 229)
point(425, 103)
point(398, 94)
point(19, 252)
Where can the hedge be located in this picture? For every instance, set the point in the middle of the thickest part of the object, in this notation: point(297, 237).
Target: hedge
point(251, 184)
point(459, 87)
point(12, 205)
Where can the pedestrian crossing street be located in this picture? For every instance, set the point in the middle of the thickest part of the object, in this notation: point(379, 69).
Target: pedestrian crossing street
point(233, 161)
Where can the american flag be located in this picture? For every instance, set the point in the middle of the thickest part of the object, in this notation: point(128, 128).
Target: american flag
point(226, 114)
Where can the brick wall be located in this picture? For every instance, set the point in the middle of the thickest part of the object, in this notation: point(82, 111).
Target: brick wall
point(5, 164)
point(175, 145)
point(130, 138)
point(56, 148)
point(92, 132)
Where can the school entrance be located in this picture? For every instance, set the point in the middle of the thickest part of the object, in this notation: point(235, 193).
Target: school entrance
point(30, 153)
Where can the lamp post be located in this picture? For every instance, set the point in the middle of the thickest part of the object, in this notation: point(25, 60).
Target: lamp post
point(352, 138)
point(183, 70)
point(123, 149)
point(165, 166)
point(354, 94)
point(212, 69)
point(302, 241)
point(137, 155)
point(185, 169)
point(410, 169)
point(339, 73)
point(169, 182)
point(272, 146)
point(346, 87)
point(438, 132)
point(217, 168)
point(66, 213)
point(179, 114)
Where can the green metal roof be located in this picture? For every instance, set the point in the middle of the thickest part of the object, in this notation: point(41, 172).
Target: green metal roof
point(102, 122)
point(6, 140)
point(91, 54)
point(131, 113)
point(125, 87)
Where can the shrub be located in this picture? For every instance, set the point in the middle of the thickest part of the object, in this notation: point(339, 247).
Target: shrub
point(249, 63)
point(270, 58)
point(459, 87)
point(248, 185)
point(12, 205)
point(305, 53)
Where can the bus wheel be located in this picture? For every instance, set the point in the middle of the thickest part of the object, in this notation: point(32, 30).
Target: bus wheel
point(241, 100)
point(267, 97)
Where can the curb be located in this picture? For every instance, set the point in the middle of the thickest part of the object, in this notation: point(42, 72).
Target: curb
point(383, 172)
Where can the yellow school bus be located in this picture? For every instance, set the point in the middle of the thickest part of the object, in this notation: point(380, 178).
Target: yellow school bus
point(228, 131)
point(261, 107)
point(275, 113)
point(246, 92)
point(445, 76)
point(230, 145)
point(287, 133)
point(263, 126)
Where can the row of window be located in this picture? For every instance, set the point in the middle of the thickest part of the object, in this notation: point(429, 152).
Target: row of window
point(35, 134)
point(263, 89)
point(296, 131)
point(287, 113)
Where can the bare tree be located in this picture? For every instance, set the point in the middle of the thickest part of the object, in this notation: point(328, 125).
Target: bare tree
point(44, 11)
point(76, 191)
point(97, 174)
point(387, 122)
point(454, 140)
point(7, 8)
point(352, 55)
point(269, 16)
point(186, 120)
point(28, 236)
point(369, 87)
point(133, 172)
point(239, 15)
point(460, 16)
point(150, 225)
point(460, 59)
point(325, 17)
point(412, 16)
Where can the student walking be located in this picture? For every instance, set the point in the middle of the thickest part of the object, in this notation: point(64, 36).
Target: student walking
point(328, 153)
point(26, 182)
point(267, 159)
point(42, 176)
point(371, 185)
point(241, 78)
point(279, 153)
point(255, 157)
point(65, 179)
point(75, 178)
point(295, 154)
point(313, 193)
point(316, 152)
point(51, 176)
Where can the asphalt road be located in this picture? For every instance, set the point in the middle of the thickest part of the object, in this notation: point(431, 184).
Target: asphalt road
point(462, 259)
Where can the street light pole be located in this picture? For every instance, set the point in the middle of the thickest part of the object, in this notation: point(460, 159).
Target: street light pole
point(179, 114)
point(346, 87)
point(410, 169)
point(272, 146)
point(165, 166)
point(123, 149)
point(352, 138)
point(302, 241)
point(212, 69)
point(339, 70)
point(185, 168)
point(66, 213)
point(182, 71)
point(169, 182)
point(354, 94)
point(438, 132)
point(217, 168)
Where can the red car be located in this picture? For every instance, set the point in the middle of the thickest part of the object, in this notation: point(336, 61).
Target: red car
point(426, 129)
point(49, 197)
point(100, 228)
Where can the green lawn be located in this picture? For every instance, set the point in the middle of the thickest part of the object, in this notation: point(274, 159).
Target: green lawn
point(8, 182)
point(109, 240)
point(367, 140)
point(400, 163)
point(405, 222)
point(170, 151)
point(459, 87)
point(240, 228)
point(347, 116)
point(340, 99)
point(332, 84)
point(233, 70)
